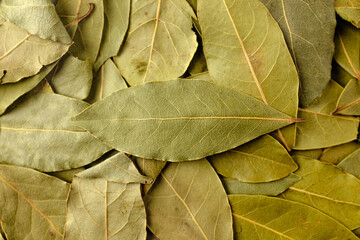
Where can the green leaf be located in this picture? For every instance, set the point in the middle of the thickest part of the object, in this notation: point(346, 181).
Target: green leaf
point(256, 51)
point(350, 163)
point(38, 134)
point(349, 10)
point(116, 21)
point(328, 189)
point(261, 160)
point(73, 77)
point(265, 218)
point(340, 75)
point(312, 47)
point(17, 43)
point(349, 100)
point(107, 81)
point(167, 42)
point(32, 204)
point(347, 48)
point(187, 119)
point(105, 202)
point(337, 153)
point(36, 17)
point(314, 154)
point(273, 188)
point(189, 202)
point(10, 92)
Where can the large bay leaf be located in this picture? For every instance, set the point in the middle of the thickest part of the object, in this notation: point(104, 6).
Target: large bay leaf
point(116, 21)
point(349, 10)
point(337, 153)
point(251, 57)
point(261, 160)
point(179, 120)
point(327, 188)
point(105, 202)
point(87, 34)
point(273, 188)
point(23, 54)
point(349, 100)
point(73, 77)
point(268, 218)
point(308, 27)
point(10, 92)
point(107, 80)
point(38, 134)
point(167, 42)
point(189, 202)
point(32, 204)
point(351, 163)
point(347, 48)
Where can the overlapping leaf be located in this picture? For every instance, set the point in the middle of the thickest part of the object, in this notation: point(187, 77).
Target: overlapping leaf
point(349, 10)
point(351, 163)
point(349, 100)
point(337, 153)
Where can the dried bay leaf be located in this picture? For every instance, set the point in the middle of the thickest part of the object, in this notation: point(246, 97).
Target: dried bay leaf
point(38, 134)
point(263, 218)
point(198, 63)
point(167, 42)
point(261, 160)
point(312, 47)
point(314, 153)
point(349, 10)
point(273, 188)
point(340, 75)
point(178, 204)
point(205, 76)
point(198, 115)
point(33, 204)
point(67, 175)
point(350, 164)
point(337, 153)
point(349, 100)
point(327, 188)
point(73, 77)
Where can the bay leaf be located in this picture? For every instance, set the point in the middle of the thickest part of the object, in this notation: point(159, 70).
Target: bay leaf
point(263, 218)
point(86, 34)
point(205, 76)
point(350, 164)
point(349, 100)
point(73, 77)
point(314, 153)
point(337, 153)
point(42, 87)
point(327, 188)
point(256, 51)
point(349, 10)
point(151, 236)
point(261, 160)
point(273, 188)
point(151, 121)
point(193, 4)
point(105, 202)
point(198, 63)
point(347, 48)
point(38, 134)
point(357, 232)
point(10, 92)
point(16, 42)
point(167, 42)
point(178, 204)
point(116, 21)
point(107, 81)
point(33, 204)
point(312, 47)
point(340, 75)
point(67, 175)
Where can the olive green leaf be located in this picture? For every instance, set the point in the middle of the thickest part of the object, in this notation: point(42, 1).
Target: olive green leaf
point(327, 188)
point(151, 168)
point(256, 51)
point(32, 204)
point(86, 34)
point(205, 76)
point(38, 134)
point(273, 188)
point(350, 163)
point(312, 47)
point(314, 153)
point(356, 232)
point(67, 175)
point(188, 202)
point(105, 202)
point(116, 21)
point(107, 80)
point(261, 160)
point(337, 153)
point(265, 218)
point(179, 120)
point(10, 92)
point(167, 41)
point(349, 10)
point(349, 100)
point(16, 42)
point(347, 48)
point(340, 75)
point(193, 4)
point(73, 77)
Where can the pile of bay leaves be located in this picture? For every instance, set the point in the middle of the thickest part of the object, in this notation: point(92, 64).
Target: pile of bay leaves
point(179, 119)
